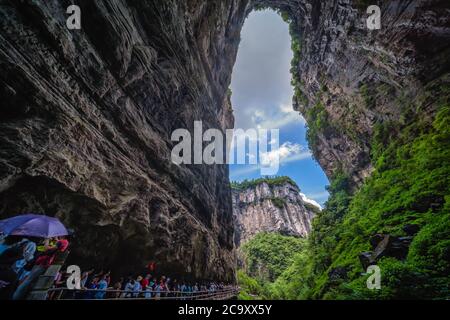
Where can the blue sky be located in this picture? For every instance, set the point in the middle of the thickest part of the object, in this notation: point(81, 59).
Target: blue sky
point(262, 98)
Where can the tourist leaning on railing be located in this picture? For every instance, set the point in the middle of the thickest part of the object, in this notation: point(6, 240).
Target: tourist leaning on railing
point(96, 286)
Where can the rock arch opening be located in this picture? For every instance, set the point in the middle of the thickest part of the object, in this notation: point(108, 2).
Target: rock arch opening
point(262, 94)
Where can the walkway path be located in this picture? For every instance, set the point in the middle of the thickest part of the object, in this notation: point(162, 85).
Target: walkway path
point(66, 294)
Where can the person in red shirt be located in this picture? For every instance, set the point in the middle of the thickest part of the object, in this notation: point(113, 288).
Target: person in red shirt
point(145, 282)
point(42, 263)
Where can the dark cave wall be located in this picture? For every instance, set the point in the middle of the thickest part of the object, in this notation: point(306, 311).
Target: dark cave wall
point(86, 121)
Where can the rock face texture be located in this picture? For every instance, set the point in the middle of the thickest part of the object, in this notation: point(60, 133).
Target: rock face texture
point(86, 123)
point(271, 208)
point(385, 245)
point(351, 79)
point(87, 115)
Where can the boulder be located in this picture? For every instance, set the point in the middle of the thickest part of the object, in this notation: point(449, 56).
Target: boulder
point(386, 246)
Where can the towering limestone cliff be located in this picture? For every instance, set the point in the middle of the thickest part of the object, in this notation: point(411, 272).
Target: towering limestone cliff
point(269, 205)
point(87, 116)
point(86, 123)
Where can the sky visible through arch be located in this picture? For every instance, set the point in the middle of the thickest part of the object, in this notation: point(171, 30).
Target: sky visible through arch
point(262, 98)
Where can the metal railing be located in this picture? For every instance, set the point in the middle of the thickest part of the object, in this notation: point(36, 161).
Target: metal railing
point(112, 294)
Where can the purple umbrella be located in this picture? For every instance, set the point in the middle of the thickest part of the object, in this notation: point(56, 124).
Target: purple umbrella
point(33, 225)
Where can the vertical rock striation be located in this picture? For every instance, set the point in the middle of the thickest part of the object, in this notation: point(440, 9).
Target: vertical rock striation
point(86, 123)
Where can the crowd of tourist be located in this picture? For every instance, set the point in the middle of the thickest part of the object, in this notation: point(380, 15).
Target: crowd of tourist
point(101, 286)
point(23, 260)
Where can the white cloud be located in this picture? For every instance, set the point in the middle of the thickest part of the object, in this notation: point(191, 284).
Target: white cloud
point(288, 152)
point(285, 151)
point(310, 201)
point(287, 108)
point(319, 197)
point(304, 154)
point(270, 118)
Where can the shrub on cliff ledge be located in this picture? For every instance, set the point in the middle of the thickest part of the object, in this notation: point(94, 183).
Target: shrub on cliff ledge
point(278, 202)
point(271, 181)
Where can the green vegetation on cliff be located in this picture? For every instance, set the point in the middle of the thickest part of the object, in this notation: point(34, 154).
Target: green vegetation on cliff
point(268, 261)
point(269, 254)
point(410, 186)
point(278, 202)
point(271, 181)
